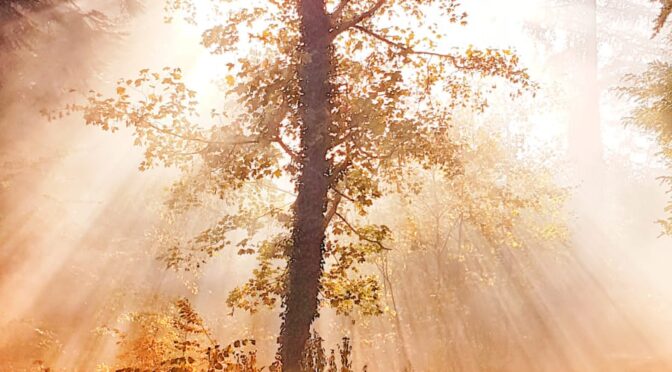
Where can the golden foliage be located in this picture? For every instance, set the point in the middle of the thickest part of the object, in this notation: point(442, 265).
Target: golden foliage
point(651, 92)
point(393, 100)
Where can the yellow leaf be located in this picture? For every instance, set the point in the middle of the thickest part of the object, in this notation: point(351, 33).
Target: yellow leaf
point(230, 80)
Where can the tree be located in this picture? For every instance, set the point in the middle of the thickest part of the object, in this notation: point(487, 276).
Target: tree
point(576, 21)
point(651, 92)
point(344, 98)
point(587, 29)
point(32, 32)
point(36, 26)
point(465, 241)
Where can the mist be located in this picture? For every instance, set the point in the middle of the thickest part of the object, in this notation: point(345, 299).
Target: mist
point(538, 249)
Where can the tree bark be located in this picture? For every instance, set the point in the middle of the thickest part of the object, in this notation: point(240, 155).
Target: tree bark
point(305, 261)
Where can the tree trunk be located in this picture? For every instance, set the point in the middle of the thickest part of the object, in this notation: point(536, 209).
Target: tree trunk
point(305, 262)
point(407, 366)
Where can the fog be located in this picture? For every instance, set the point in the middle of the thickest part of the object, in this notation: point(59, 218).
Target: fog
point(81, 226)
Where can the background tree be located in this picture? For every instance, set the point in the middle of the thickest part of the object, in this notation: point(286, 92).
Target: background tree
point(460, 243)
point(34, 31)
point(651, 92)
point(46, 48)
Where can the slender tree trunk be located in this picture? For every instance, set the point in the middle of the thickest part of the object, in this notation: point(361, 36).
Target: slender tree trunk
point(305, 262)
point(405, 359)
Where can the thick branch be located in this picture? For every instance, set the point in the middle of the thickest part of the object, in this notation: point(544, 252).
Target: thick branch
point(362, 17)
point(287, 150)
point(338, 12)
point(332, 210)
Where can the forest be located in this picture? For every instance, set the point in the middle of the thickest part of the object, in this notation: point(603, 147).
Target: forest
point(336, 185)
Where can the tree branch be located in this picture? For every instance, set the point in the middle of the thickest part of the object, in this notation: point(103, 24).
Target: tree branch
point(408, 50)
point(377, 157)
point(338, 169)
point(338, 12)
point(362, 17)
point(361, 236)
point(286, 149)
point(332, 210)
point(339, 141)
point(343, 194)
point(243, 141)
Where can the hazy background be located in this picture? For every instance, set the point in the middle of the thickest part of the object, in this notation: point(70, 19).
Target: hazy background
point(75, 212)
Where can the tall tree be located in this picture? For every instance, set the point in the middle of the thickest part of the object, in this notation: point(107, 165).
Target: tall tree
point(651, 92)
point(344, 97)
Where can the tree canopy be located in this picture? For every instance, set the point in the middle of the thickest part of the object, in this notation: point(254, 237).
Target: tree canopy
point(391, 89)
